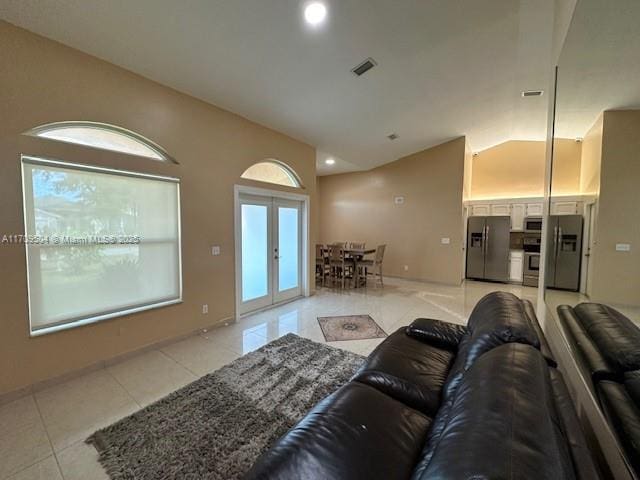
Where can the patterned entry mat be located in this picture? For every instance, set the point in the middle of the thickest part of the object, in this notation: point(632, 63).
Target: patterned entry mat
point(350, 327)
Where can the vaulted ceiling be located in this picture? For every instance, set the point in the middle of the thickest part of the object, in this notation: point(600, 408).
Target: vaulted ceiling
point(445, 67)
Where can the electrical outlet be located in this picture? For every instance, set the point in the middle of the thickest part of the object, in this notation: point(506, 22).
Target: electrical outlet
point(406, 268)
point(215, 250)
point(445, 240)
point(205, 309)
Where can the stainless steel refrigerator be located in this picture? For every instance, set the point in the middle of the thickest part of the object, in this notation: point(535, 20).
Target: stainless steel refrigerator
point(564, 247)
point(488, 248)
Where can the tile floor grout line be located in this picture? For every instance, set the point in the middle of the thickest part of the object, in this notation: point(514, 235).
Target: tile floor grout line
point(131, 397)
point(46, 430)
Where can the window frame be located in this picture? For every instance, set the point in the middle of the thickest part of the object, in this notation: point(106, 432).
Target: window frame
point(94, 318)
point(286, 168)
point(48, 127)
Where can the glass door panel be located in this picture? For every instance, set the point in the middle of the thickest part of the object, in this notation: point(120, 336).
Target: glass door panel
point(287, 267)
point(256, 266)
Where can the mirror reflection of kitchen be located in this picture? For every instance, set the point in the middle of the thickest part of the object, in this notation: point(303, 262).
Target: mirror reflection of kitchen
point(593, 242)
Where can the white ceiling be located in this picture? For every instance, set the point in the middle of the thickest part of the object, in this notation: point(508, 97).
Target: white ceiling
point(599, 67)
point(445, 67)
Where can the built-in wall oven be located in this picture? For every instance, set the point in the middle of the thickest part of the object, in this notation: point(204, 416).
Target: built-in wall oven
point(531, 267)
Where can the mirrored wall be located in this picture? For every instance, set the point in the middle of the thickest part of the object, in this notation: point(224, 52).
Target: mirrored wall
point(592, 243)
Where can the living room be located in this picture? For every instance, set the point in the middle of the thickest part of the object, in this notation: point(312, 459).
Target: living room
point(283, 218)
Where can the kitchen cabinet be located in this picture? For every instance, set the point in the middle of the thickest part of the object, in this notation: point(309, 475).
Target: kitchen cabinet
point(534, 209)
point(564, 208)
point(481, 210)
point(518, 212)
point(516, 259)
point(500, 209)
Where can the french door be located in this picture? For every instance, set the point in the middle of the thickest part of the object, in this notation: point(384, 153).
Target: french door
point(270, 251)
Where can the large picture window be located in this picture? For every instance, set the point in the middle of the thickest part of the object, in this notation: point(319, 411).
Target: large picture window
point(100, 243)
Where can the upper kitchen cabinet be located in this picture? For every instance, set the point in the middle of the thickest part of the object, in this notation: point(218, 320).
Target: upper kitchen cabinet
point(518, 212)
point(564, 208)
point(501, 209)
point(534, 209)
point(480, 210)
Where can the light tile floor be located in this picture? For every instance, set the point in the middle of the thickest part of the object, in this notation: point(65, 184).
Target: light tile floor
point(42, 435)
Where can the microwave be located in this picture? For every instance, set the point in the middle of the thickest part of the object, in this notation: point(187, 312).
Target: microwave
point(533, 224)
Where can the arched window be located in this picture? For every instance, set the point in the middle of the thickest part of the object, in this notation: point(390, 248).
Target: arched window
point(272, 171)
point(102, 136)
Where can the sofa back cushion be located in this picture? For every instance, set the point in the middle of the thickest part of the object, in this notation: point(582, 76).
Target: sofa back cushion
point(502, 423)
point(498, 318)
point(616, 337)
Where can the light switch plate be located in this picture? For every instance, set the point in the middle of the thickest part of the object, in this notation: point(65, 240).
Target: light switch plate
point(623, 247)
point(445, 240)
point(215, 250)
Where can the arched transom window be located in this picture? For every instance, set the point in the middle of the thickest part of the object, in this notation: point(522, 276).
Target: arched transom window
point(102, 136)
point(272, 171)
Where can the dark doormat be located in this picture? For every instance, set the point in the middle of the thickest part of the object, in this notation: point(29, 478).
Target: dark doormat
point(350, 327)
point(216, 427)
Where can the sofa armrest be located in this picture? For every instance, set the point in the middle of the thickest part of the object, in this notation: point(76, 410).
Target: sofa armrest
point(437, 333)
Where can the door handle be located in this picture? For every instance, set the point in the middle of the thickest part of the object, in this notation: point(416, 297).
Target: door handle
point(486, 240)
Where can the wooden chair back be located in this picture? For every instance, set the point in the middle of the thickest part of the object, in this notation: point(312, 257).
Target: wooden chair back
point(380, 254)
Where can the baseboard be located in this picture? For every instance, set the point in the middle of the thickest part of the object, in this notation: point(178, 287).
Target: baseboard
point(40, 385)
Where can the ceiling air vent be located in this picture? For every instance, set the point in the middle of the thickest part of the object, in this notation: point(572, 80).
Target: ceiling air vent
point(532, 93)
point(393, 136)
point(364, 67)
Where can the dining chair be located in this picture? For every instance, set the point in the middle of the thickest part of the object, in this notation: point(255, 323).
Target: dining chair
point(322, 262)
point(373, 266)
point(357, 245)
point(337, 262)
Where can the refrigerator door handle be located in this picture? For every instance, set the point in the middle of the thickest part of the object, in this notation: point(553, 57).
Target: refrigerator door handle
point(486, 239)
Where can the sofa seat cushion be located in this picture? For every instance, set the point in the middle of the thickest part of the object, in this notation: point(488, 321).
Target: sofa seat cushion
point(617, 337)
point(502, 423)
point(408, 370)
point(498, 318)
point(437, 333)
point(624, 416)
point(357, 432)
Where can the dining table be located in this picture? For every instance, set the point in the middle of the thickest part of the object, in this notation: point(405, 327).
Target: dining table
point(356, 254)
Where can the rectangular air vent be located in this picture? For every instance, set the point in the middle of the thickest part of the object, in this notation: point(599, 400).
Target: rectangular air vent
point(364, 67)
point(532, 93)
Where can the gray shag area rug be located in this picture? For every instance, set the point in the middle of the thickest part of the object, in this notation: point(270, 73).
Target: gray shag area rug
point(350, 327)
point(217, 426)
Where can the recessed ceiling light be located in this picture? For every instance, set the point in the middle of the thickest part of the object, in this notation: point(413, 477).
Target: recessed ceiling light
point(329, 161)
point(315, 13)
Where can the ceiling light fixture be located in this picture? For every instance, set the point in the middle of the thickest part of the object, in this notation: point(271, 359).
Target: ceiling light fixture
point(315, 13)
point(329, 161)
point(393, 136)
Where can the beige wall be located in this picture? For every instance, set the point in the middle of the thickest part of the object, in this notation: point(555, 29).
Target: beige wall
point(511, 169)
point(49, 82)
point(359, 207)
point(591, 159)
point(565, 179)
point(615, 275)
point(516, 169)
